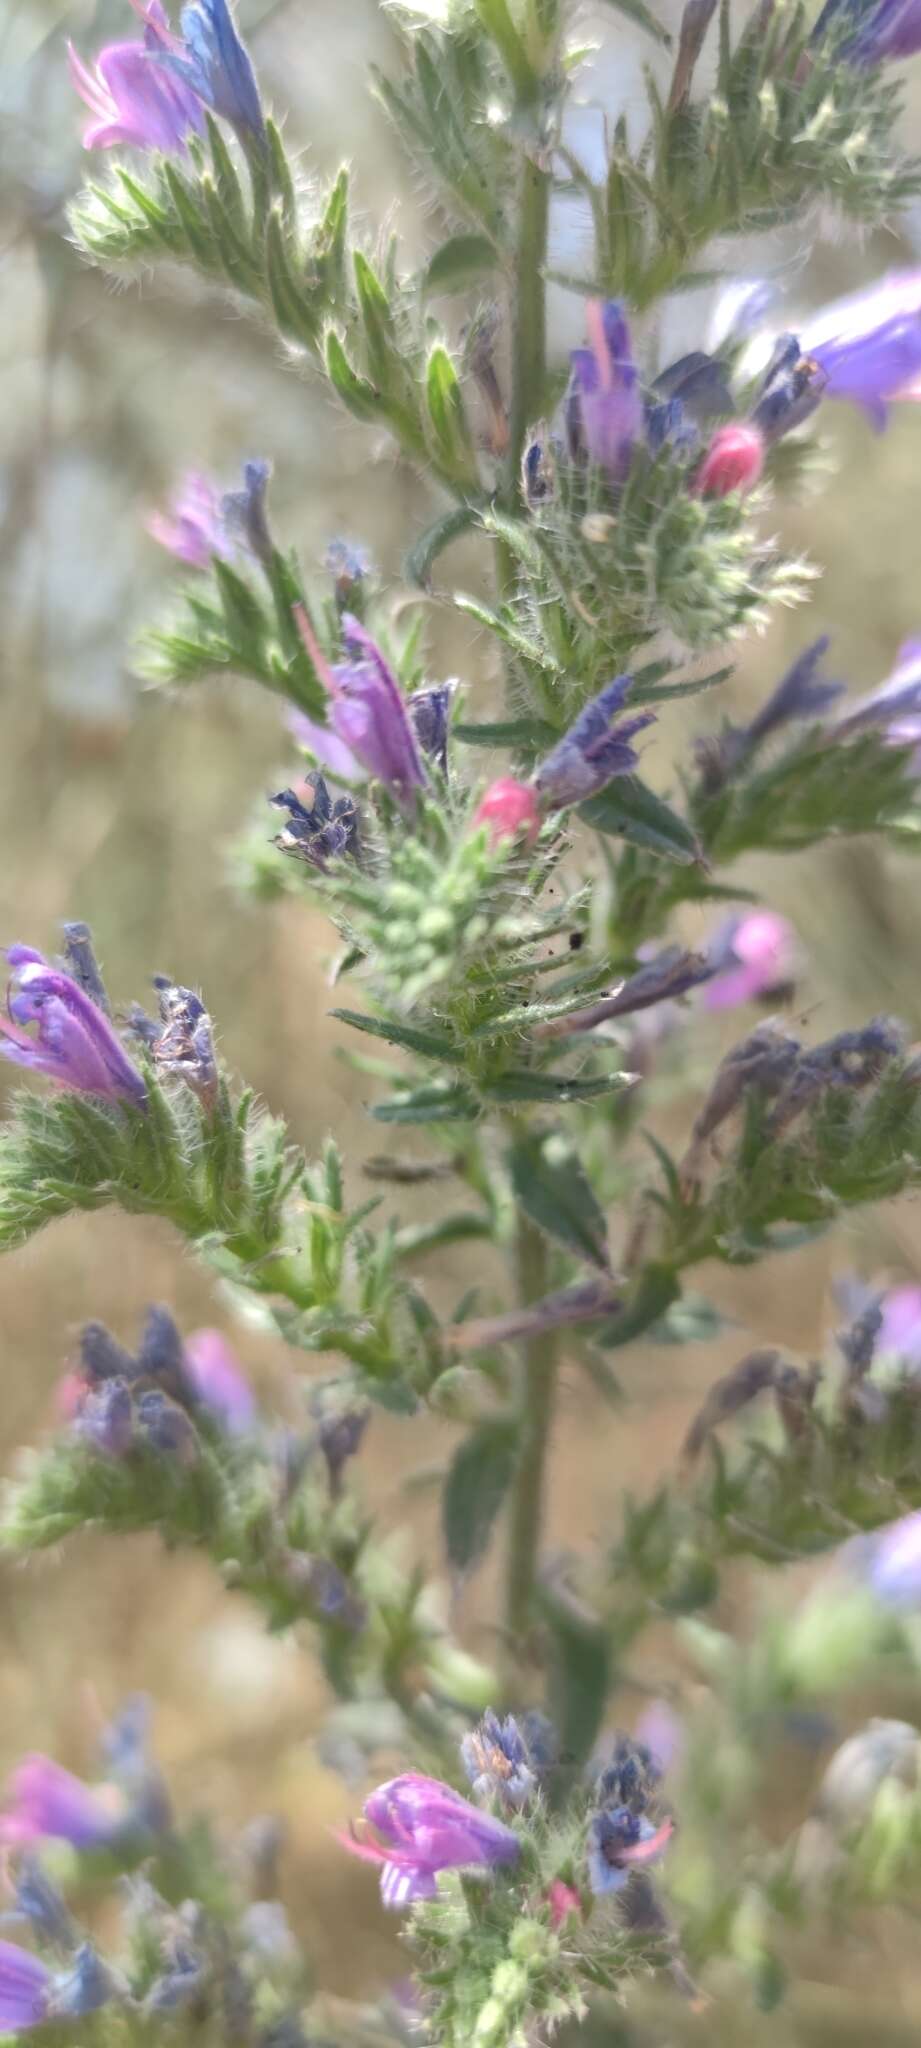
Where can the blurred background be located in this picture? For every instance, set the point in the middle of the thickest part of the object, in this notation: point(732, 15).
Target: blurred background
point(119, 806)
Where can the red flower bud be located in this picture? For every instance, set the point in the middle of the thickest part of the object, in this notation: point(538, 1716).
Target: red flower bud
point(509, 807)
point(733, 461)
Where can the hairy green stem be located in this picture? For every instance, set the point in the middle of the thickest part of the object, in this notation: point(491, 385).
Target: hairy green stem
point(529, 342)
point(535, 1418)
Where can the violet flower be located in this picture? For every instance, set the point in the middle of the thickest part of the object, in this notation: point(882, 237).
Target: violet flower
point(326, 748)
point(244, 514)
point(319, 830)
point(184, 1048)
point(40, 1904)
point(213, 63)
point(594, 750)
point(25, 1987)
point(219, 1383)
point(604, 408)
point(368, 710)
point(881, 30)
point(44, 1800)
point(135, 99)
point(618, 1842)
point(192, 528)
point(349, 565)
point(423, 1827)
point(498, 1762)
point(75, 1045)
point(793, 385)
point(869, 344)
point(105, 1420)
point(754, 955)
point(894, 708)
point(429, 711)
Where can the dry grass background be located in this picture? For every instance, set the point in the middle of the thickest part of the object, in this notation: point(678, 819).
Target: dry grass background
point(118, 808)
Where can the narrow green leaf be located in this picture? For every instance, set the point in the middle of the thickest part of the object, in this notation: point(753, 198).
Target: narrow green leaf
point(436, 1104)
point(450, 429)
point(384, 357)
point(636, 10)
point(476, 1486)
point(496, 19)
point(458, 263)
point(628, 810)
point(554, 1190)
point(659, 1287)
point(430, 1045)
point(530, 1087)
point(425, 551)
point(527, 733)
point(356, 393)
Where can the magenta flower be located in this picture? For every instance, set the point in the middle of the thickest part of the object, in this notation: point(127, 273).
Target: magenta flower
point(45, 1800)
point(327, 749)
point(899, 1334)
point(25, 1989)
point(75, 1045)
point(605, 407)
point(423, 1827)
point(219, 1382)
point(368, 711)
point(193, 528)
point(136, 101)
point(594, 749)
point(893, 1567)
point(869, 344)
point(755, 954)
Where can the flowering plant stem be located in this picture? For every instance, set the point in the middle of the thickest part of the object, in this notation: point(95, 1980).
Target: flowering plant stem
point(537, 1388)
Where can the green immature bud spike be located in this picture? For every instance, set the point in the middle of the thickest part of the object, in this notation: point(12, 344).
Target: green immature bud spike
point(356, 393)
point(289, 301)
point(449, 427)
point(384, 353)
point(495, 17)
point(329, 252)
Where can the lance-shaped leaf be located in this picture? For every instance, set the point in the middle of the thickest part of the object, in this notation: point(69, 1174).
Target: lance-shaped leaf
point(476, 1486)
point(356, 392)
point(449, 428)
point(554, 1190)
point(628, 810)
point(459, 263)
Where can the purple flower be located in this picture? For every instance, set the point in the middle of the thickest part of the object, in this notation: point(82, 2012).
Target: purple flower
point(83, 1989)
point(45, 1800)
point(593, 751)
point(619, 1841)
point(754, 955)
point(880, 29)
point(893, 1562)
point(185, 1046)
point(423, 1827)
point(106, 1419)
point(497, 1760)
point(40, 1904)
point(895, 707)
point(320, 830)
point(244, 512)
point(74, 1044)
point(214, 64)
point(348, 565)
point(327, 749)
point(429, 712)
point(25, 1986)
point(193, 527)
point(792, 387)
point(218, 1381)
point(604, 410)
point(801, 694)
point(368, 710)
point(135, 99)
point(340, 1431)
point(167, 1428)
point(869, 344)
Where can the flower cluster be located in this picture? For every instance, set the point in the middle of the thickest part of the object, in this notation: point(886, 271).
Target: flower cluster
point(154, 1398)
point(155, 94)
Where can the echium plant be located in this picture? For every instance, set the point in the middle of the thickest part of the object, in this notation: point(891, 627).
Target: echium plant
point(507, 948)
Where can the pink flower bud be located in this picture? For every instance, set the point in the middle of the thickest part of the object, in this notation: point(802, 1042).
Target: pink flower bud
point(509, 807)
point(563, 1900)
point(733, 461)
